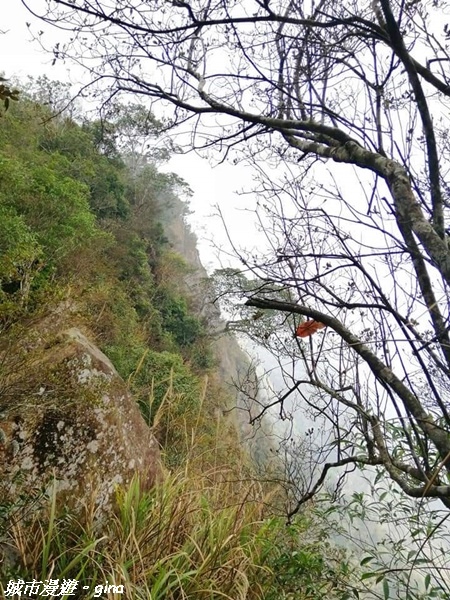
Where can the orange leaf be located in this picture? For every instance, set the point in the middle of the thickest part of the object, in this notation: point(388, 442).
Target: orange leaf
point(308, 328)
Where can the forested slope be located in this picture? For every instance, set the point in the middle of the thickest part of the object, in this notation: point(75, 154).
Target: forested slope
point(87, 270)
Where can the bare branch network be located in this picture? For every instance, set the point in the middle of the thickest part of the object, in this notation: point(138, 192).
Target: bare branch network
point(343, 109)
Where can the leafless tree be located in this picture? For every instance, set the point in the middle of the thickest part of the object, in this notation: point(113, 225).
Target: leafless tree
point(344, 108)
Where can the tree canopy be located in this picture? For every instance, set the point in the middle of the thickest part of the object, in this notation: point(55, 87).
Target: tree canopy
point(342, 107)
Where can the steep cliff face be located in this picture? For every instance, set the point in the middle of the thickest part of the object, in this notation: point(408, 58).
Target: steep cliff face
point(73, 423)
point(234, 364)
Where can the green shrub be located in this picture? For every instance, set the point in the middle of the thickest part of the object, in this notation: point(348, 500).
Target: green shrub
point(161, 373)
point(184, 327)
point(301, 562)
point(54, 208)
point(19, 248)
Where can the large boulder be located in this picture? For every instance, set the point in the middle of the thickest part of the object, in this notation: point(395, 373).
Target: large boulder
point(69, 421)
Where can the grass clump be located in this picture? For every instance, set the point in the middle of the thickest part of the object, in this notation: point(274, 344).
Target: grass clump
point(205, 532)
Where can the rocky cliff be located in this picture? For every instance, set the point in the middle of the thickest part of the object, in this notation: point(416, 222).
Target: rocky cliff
point(72, 426)
point(235, 365)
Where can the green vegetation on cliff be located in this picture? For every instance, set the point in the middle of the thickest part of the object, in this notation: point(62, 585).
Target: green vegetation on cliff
point(82, 217)
point(77, 222)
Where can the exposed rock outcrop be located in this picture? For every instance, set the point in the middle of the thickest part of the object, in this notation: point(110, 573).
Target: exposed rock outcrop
point(73, 422)
point(235, 367)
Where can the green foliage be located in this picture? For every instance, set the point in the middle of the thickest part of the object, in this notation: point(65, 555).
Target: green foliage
point(19, 247)
point(107, 191)
point(159, 373)
point(76, 223)
point(201, 354)
point(302, 562)
point(131, 255)
point(7, 93)
point(184, 327)
point(406, 553)
point(102, 174)
point(55, 209)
